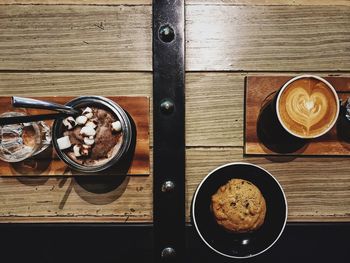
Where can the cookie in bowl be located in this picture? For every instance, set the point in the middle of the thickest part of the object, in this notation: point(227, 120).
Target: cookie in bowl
point(238, 206)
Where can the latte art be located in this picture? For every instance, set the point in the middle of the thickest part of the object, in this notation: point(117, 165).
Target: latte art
point(307, 107)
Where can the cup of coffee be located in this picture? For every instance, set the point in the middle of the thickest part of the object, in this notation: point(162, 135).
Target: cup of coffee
point(307, 106)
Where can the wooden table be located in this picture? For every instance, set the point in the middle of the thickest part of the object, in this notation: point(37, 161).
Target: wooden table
point(103, 47)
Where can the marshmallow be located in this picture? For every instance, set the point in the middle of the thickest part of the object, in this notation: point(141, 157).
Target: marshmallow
point(89, 141)
point(63, 143)
point(116, 126)
point(81, 120)
point(76, 150)
point(91, 124)
point(91, 137)
point(88, 112)
point(85, 150)
point(87, 131)
point(69, 123)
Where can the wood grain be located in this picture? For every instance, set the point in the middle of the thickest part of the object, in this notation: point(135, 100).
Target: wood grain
point(214, 109)
point(61, 37)
point(317, 189)
point(48, 164)
point(249, 38)
point(269, 2)
point(79, 199)
point(260, 91)
point(77, 2)
point(188, 2)
point(274, 38)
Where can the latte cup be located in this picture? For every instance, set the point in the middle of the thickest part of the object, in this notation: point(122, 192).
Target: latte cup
point(307, 106)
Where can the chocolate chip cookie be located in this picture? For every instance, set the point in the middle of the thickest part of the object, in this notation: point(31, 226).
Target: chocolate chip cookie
point(239, 206)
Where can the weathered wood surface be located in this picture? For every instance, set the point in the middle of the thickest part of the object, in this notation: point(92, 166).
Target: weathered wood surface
point(271, 38)
point(61, 37)
point(188, 2)
point(44, 53)
point(244, 38)
point(79, 199)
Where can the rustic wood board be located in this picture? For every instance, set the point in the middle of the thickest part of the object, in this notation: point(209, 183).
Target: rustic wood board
point(188, 2)
point(68, 51)
point(88, 37)
point(48, 163)
point(260, 91)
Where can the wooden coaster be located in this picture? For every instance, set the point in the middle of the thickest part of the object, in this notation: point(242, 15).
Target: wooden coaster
point(262, 132)
point(47, 163)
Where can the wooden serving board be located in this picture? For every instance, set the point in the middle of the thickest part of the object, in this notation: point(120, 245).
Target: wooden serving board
point(262, 135)
point(47, 163)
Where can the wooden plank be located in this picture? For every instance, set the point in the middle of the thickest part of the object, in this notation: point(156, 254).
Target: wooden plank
point(70, 37)
point(256, 38)
point(188, 2)
point(76, 2)
point(317, 189)
point(273, 38)
point(214, 109)
point(260, 91)
point(269, 2)
point(48, 164)
point(80, 199)
point(75, 84)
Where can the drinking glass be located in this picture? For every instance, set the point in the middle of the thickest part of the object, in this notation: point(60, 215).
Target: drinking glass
point(23, 140)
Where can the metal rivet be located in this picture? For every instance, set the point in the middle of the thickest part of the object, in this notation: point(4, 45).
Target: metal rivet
point(168, 253)
point(168, 186)
point(166, 33)
point(167, 106)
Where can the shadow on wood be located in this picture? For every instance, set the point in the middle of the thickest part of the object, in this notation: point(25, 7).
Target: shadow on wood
point(103, 189)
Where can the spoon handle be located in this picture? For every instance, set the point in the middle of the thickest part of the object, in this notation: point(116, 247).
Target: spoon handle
point(30, 118)
point(40, 104)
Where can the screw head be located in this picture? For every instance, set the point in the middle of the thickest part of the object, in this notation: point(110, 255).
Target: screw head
point(166, 33)
point(167, 106)
point(168, 186)
point(168, 253)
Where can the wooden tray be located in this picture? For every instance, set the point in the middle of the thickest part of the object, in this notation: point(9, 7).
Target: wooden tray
point(47, 163)
point(259, 91)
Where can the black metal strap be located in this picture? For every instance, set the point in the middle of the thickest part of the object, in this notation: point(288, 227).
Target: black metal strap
point(169, 130)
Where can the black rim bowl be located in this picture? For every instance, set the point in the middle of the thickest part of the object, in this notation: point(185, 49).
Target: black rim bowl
point(240, 245)
point(100, 102)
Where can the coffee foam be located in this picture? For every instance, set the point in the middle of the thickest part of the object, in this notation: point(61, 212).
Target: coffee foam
point(307, 107)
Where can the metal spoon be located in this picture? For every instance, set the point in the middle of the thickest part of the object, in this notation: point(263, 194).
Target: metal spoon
point(21, 102)
point(30, 118)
